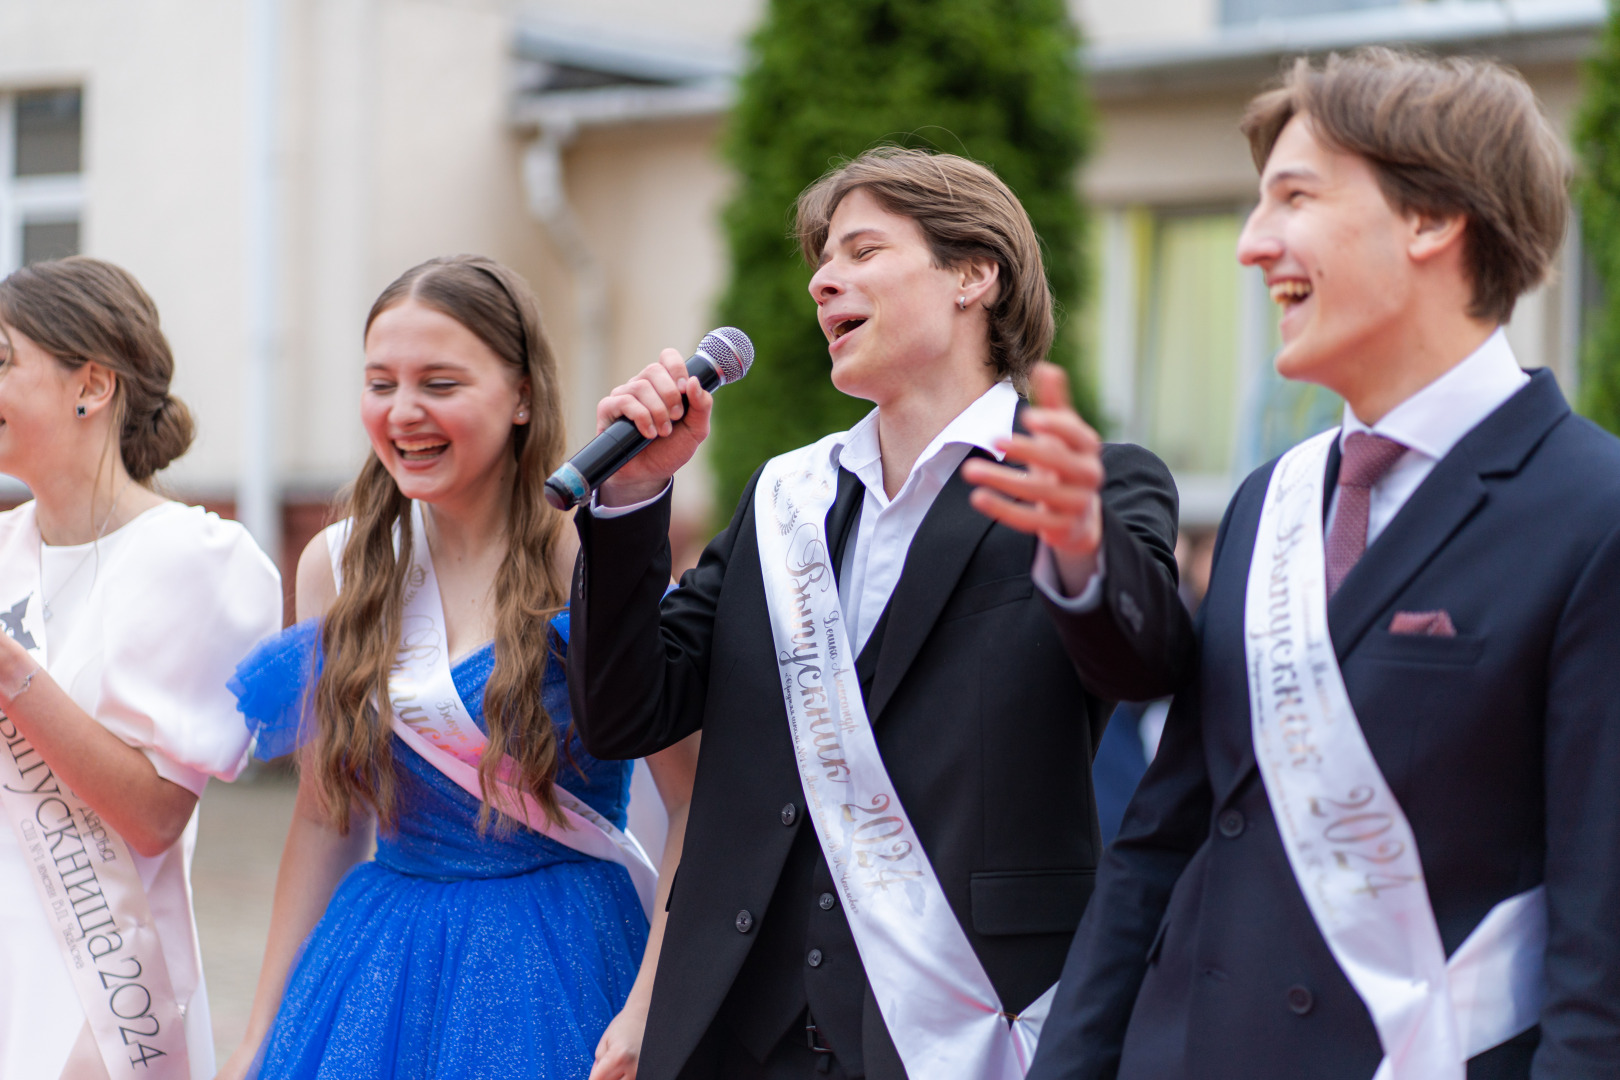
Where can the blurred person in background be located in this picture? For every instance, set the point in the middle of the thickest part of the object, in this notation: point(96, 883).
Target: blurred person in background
point(1131, 739)
point(502, 929)
point(124, 615)
point(1381, 836)
point(893, 833)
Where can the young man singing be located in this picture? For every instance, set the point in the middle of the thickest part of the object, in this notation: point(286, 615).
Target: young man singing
point(1382, 834)
point(892, 835)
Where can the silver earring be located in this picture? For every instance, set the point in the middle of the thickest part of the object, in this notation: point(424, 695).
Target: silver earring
point(961, 303)
point(80, 411)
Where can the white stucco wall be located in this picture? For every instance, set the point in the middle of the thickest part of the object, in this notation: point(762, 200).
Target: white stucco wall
point(162, 157)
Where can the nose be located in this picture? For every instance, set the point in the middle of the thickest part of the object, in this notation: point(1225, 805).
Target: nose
point(1258, 243)
point(405, 408)
point(824, 285)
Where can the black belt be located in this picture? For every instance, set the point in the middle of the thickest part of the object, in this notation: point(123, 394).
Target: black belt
point(812, 1037)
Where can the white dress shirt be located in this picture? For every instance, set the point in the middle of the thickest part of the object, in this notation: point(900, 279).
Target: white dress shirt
point(872, 564)
point(1431, 422)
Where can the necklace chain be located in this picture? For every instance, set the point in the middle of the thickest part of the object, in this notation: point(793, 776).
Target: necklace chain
point(95, 550)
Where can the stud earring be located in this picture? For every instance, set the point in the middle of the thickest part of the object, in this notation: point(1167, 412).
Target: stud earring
point(80, 411)
point(961, 303)
point(523, 414)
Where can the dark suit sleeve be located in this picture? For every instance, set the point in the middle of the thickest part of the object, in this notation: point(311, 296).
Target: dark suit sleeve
point(638, 668)
point(1137, 644)
point(1165, 824)
point(1580, 1017)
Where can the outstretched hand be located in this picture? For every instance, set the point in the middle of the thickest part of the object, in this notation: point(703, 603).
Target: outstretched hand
point(1058, 496)
point(653, 401)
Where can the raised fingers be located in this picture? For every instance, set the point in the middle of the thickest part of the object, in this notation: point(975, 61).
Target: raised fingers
point(1062, 530)
point(1049, 386)
point(1044, 488)
point(1065, 425)
point(1083, 469)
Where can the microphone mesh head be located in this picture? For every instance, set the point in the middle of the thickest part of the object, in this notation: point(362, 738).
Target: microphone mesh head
point(731, 351)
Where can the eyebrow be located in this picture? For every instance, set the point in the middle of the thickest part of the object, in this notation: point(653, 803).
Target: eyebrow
point(853, 234)
point(435, 366)
point(1296, 172)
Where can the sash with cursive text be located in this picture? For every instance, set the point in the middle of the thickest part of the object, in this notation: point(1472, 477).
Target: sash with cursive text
point(1348, 841)
point(940, 1008)
point(86, 880)
point(430, 717)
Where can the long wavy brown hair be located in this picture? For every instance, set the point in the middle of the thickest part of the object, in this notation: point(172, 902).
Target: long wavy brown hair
point(351, 749)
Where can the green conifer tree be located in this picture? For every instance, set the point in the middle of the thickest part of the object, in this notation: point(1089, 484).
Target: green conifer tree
point(994, 80)
point(1597, 191)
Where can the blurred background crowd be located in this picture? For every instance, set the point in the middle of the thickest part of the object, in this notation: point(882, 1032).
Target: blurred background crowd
point(264, 167)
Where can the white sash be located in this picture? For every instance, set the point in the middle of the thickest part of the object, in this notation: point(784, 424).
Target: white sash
point(1348, 841)
point(86, 880)
point(431, 718)
point(941, 1010)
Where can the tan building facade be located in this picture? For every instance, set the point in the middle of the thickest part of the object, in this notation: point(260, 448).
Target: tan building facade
point(578, 143)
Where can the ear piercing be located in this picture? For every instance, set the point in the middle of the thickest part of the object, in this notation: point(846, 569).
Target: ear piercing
point(80, 411)
point(961, 303)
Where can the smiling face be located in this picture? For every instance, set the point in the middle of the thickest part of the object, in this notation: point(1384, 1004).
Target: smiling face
point(888, 311)
point(38, 395)
point(1336, 259)
point(439, 405)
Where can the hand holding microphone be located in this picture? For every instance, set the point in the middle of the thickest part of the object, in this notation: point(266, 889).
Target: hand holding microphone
point(651, 426)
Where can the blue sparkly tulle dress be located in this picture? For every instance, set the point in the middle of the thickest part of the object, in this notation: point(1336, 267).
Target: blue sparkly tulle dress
point(452, 955)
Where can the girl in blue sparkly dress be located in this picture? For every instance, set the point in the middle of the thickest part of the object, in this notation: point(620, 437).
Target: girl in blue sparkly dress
point(500, 929)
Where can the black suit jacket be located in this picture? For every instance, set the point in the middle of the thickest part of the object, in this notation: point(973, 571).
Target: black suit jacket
point(987, 705)
point(1199, 957)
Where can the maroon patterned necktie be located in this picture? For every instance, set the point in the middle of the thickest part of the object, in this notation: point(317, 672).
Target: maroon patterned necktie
point(1366, 459)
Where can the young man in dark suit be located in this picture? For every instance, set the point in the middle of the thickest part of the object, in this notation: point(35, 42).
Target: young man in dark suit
point(892, 835)
point(1382, 833)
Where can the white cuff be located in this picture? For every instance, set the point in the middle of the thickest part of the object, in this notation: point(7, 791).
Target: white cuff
point(604, 512)
point(1046, 579)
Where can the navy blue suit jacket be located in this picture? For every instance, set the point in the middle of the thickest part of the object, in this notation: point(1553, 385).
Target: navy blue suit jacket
point(1198, 957)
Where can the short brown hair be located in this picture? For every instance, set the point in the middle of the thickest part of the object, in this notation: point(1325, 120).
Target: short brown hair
point(81, 309)
point(966, 212)
point(1460, 135)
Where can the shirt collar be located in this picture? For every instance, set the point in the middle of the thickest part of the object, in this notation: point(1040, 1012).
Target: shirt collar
point(1435, 419)
point(988, 418)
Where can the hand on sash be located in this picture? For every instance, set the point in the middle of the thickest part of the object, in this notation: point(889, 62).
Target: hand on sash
point(668, 406)
point(1058, 497)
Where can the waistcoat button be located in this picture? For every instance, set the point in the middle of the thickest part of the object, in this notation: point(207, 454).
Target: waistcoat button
point(790, 814)
point(1231, 824)
point(1300, 1000)
point(814, 959)
point(745, 922)
point(827, 900)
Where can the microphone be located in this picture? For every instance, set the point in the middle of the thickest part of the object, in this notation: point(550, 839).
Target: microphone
point(722, 357)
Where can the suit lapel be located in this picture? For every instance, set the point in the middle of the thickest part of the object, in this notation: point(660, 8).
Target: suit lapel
point(944, 543)
point(1448, 497)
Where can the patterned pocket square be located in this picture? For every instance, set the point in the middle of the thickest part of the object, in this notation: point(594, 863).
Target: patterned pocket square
point(1423, 624)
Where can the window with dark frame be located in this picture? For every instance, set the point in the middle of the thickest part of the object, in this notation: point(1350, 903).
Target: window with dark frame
point(41, 201)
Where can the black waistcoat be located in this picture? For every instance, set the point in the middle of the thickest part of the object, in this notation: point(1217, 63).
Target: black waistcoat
point(805, 954)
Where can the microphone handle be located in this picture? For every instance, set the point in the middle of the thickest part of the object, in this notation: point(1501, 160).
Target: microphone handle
point(580, 475)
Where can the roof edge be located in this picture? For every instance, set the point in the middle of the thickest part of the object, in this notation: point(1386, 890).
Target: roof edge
point(1522, 29)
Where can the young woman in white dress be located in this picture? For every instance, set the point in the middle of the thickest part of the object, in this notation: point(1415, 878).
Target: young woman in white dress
point(124, 615)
